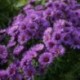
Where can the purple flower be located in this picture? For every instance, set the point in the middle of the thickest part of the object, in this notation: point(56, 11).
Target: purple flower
point(23, 38)
point(32, 26)
point(50, 45)
point(22, 27)
point(27, 7)
point(39, 7)
point(32, 53)
point(76, 39)
point(48, 12)
point(67, 39)
point(38, 47)
point(3, 52)
point(46, 58)
point(27, 58)
point(17, 76)
point(58, 50)
point(59, 25)
point(11, 42)
point(57, 37)
point(11, 70)
point(18, 49)
point(29, 71)
point(3, 75)
point(47, 34)
point(12, 30)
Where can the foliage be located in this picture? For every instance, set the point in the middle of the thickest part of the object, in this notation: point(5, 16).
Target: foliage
point(8, 9)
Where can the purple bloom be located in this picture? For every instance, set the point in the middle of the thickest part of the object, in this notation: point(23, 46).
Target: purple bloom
point(29, 72)
point(27, 7)
point(11, 42)
point(39, 7)
point(3, 75)
point(32, 26)
point(67, 39)
point(32, 53)
point(76, 39)
point(27, 58)
point(12, 69)
point(18, 49)
point(59, 25)
point(47, 34)
point(3, 52)
point(58, 50)
point(22, 27)
point(50, 45)
point(48, 12)
point(12, 30)
point(46, 58)
point(17, 76)
point(23, 38)
point(38, 47)
point(57, 37)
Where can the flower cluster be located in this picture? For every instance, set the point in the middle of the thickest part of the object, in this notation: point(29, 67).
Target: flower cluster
point(38, 35)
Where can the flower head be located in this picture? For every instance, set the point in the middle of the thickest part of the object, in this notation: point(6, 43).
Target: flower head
point(46, 58)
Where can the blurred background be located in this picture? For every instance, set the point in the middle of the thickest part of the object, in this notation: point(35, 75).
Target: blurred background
point(63, 68)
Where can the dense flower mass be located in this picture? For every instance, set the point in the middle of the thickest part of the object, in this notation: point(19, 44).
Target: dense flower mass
point(38, 35)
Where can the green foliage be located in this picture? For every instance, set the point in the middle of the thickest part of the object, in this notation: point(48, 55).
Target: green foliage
point(66, 67)
point(8, 9)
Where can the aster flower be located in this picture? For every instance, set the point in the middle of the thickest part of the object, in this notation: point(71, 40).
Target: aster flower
point(46, 58)
point(76, 39)
point(11, 42)
point(3, 52)
point(59, 25)
point(25, 60)
point(27, 7)
point(28, 56)
point(39, 7)
point(76, 44)
point(12, 30)
point(20, 17)
point(48, 13)
point(29, 71)
point(66, 39)
point(12, 69)
point(32, 53)
point(33, 15)
point(71, 2)
point(18, 49)
point(50, 45)
point(47, 34)
point(22, 27)
point(23, 38)
point(3, 75)
point(58, 50)
point(38, 47)
point(16, 77)
point(57, 37)
point(32, 26)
